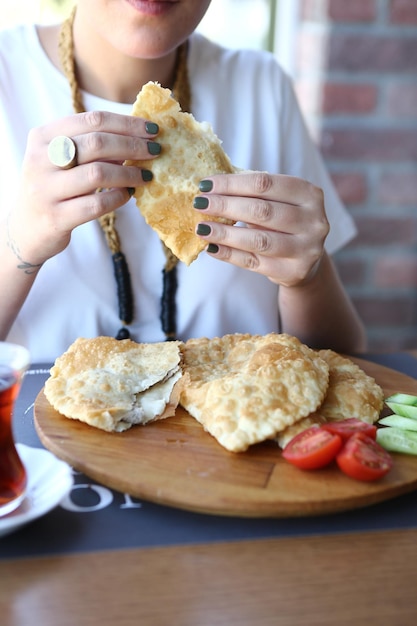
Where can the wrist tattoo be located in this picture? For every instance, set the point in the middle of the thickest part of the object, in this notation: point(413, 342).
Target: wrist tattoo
point(28, 268)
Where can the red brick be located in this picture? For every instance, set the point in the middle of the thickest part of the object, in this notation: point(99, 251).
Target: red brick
point(349, 98)
point(384, 231)
point(372, 151)
point(402, 99)
point(352, 187)
point(336, 98)
point(367, 53)
point(312, 10)
point(370, 144)
point(338, 10)
point(352, 10)
point(398, 188)
point(386, 311)
point(352, 271)
point(403, 11)
point(396, 272)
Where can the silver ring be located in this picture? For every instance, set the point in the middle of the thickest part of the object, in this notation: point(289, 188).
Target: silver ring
point(62, 152)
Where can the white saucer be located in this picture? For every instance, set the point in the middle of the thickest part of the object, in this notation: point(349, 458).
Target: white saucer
point(49, 481)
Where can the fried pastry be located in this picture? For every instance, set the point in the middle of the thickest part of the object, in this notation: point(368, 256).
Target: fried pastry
point(112, 384)
point(246, 388)
point(351, 393)
point(190, 152)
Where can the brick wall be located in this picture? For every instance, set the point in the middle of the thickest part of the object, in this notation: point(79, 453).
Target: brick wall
point(356, 77)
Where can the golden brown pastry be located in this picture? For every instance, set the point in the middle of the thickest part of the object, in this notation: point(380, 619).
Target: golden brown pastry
point(190, 152)
point(244, 389)
point(113, 384)
point(351, 393)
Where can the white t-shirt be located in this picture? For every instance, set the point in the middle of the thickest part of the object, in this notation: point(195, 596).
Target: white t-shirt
point(252, 108)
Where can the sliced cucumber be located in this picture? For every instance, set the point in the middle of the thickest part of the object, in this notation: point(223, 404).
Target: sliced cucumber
point(402, 398)
point(397, 440)
point(405, 410)
point(400, 422)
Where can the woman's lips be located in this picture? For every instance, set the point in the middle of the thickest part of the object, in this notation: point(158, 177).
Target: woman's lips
point(152, 7)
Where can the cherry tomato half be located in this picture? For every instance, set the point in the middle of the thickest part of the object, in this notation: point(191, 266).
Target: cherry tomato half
point(348, 427)
point(363, 458)
point(312, 448)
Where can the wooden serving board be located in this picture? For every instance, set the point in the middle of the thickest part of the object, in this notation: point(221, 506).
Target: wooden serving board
point(175, 462)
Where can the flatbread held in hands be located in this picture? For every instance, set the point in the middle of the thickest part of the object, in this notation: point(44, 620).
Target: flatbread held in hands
point(113, 384)
point(190, 152)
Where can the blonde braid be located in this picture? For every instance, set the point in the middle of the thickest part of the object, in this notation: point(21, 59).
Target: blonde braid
point(182, 93)
point(66, 55)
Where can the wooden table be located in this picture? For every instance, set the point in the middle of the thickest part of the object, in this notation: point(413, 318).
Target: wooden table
point(343, 579)
point(357, 579)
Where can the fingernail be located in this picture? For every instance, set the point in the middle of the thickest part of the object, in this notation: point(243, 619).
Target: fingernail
point(131, 191)
point(212, 248)
point(201, 203)
point(205, 185)
point(154, 147)
point(203, 229)
point(151, 128)
point(147, 175)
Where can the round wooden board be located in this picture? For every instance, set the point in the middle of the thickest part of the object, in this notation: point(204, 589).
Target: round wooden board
point(175, 462)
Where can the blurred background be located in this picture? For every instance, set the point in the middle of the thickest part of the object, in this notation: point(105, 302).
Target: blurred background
point(354, 66)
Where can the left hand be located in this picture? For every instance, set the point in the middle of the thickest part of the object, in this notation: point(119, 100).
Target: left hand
point(286, 224)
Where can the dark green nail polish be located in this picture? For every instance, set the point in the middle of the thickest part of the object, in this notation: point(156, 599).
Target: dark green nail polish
point(213, 248)
point(203, 229)
point(147, 175)
point(154, 147)
point(201, 203)
point(205, 185)
point(151, 128)
point(131, 191)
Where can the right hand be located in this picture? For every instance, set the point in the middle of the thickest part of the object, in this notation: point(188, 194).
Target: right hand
point(51, 202)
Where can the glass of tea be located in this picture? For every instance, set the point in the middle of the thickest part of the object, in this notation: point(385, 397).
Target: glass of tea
point(14, 361)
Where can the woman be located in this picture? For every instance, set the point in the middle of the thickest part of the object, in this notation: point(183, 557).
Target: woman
point(56, 272)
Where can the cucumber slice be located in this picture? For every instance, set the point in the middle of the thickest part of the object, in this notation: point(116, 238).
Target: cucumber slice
point(405, 410)
point(402, 398)
point(400, 422)
point(397, 440)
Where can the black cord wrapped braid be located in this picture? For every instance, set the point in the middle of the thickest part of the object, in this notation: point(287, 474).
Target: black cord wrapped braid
point(121, 274)
point(124, 293)
point(168, 315)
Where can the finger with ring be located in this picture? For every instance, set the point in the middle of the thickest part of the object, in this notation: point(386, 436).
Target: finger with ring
point(62, 152)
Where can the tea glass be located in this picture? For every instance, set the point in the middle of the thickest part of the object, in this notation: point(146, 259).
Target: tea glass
point(14, 361)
